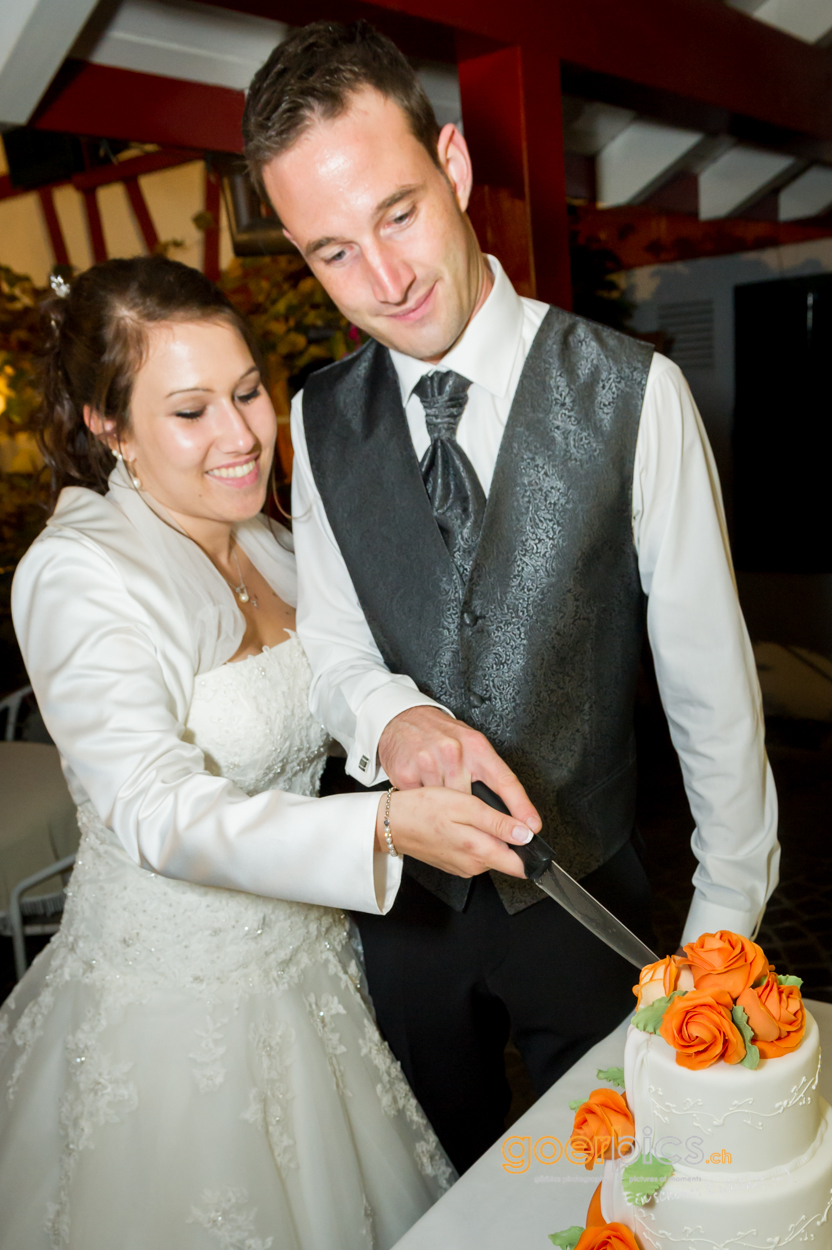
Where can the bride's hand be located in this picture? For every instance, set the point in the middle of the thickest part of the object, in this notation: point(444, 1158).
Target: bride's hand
point(452, 831)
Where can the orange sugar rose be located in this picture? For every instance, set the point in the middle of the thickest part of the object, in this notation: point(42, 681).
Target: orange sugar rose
point(609, 1237)
point(699, 1027)
point(661, 979)
point(599, 1124)
point(784, 1004)
point(725, 961)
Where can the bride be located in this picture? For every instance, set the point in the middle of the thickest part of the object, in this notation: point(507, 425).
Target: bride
point(190, 1063)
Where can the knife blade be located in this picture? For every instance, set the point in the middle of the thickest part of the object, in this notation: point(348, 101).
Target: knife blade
point(541, 867)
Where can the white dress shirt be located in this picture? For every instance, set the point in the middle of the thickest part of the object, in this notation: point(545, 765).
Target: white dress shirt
point(117, 612)
point(704, 662)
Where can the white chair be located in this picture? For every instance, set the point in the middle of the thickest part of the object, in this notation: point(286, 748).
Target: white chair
point(38, 834)
point(11, 706)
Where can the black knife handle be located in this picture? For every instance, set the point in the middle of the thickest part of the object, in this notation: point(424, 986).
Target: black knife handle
point(536, 855)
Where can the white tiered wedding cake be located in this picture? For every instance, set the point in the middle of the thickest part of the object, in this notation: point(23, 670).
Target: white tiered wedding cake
point(721, 1141)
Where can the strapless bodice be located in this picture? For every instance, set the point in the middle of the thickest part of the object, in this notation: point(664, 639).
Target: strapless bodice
point(252, 721)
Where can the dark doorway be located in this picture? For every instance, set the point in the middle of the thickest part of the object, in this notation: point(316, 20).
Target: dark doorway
point(783, 426)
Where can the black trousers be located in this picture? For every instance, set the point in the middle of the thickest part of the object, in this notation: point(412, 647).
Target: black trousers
point(449, 987)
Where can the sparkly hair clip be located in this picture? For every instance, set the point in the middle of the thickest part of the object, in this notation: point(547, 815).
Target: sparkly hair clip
point(59, 286)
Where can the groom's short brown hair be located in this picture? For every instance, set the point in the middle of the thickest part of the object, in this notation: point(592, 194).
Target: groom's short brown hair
point(313, 73)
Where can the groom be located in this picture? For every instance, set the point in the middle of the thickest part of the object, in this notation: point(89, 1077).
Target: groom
point(490, 498)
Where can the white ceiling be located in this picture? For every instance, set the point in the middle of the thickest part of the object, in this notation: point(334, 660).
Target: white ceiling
point(34, 37)
point(810, 20)
point(188, 40)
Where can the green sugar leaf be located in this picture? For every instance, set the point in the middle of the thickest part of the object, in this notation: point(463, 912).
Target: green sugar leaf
point(752, 1054)
point(568, 1239)
point(648, 1019)
point(752, 1057)
point(615, 1076)
point(575, 1103)
point(641, 1179)
point(790, 981)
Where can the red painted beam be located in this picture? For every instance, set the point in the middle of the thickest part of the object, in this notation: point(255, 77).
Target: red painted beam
point(135, 167)
point(87, 99)
point(640, 235)
point(53, 225)
point(97, 243)
point(142, 213)
point(211, 246)
point(118, 172)
point(700, 49)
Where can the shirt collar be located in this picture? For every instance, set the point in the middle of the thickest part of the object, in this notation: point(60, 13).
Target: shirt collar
point(488, 348)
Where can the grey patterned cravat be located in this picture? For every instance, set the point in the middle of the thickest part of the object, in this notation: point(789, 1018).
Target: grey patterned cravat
point(454, 490)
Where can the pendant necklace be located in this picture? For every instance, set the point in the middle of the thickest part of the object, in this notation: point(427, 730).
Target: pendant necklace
point(241, 591)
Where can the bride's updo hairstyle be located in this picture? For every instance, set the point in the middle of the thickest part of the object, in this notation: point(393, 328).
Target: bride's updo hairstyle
point(95, 343)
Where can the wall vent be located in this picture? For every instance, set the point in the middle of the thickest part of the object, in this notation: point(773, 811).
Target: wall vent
point(689, 326)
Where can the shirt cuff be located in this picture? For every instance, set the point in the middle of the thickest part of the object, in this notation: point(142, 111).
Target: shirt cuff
point(374, 715)
point(707, 917)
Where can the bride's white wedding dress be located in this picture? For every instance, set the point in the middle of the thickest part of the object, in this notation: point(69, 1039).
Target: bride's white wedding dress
point(190, 1068)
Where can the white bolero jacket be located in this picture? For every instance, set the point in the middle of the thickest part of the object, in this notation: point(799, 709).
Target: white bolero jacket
point(117, 612)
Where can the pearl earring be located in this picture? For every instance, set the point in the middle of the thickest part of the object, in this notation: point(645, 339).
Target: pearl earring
point(134, 477)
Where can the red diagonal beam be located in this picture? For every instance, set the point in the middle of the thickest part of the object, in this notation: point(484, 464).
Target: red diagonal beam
point(53, 225)
point(211, 246)
point(135, 167)
point(145, 221)
point(87, 99)
point(97, 243)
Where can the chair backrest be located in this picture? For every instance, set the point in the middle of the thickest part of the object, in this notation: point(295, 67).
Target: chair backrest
point(11, 706)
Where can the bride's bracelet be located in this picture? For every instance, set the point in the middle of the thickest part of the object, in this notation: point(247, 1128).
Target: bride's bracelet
point(388, 837)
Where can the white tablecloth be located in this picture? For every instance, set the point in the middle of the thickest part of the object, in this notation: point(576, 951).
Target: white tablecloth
point(492, 1209)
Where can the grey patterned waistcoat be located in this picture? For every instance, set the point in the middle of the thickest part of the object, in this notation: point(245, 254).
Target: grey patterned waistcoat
point(540, 649)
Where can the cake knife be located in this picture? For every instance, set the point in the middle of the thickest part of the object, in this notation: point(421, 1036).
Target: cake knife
point(541, 868)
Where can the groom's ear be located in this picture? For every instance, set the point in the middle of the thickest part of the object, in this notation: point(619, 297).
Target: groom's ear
point(455, 163)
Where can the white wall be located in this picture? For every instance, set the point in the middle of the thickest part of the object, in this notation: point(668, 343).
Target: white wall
point(786, 608)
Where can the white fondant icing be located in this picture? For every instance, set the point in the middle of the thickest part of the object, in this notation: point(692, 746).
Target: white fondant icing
point(777, 1194)
point(725, 1108)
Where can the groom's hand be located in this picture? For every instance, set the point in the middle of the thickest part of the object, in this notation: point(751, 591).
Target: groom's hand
point(424, 746)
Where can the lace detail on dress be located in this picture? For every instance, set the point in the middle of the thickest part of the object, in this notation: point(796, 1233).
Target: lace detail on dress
point(269, 1101)
point(209, 1071)
point(288, 748)
point(395, 1095)
point(228, 1220)
point(97, 1093)
point(26, 1033)
point(322, 1011)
